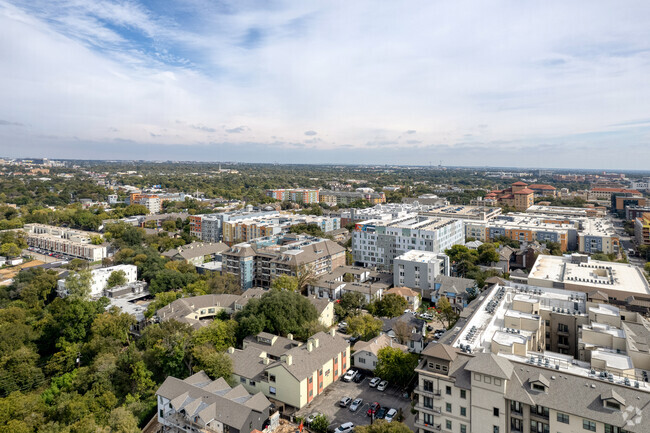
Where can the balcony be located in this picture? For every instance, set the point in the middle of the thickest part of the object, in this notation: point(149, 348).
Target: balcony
point(430, 427)
point(434, 409)
point(436, 393)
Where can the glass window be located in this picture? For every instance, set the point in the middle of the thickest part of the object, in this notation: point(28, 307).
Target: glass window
point(448, 390)
point(448, 425)
point(463, 411)
point(448, 407)
point(563, 418)
point(495, 411)
point(588, 425)
point(463, 393)
point(463, 428)
point(495, 429)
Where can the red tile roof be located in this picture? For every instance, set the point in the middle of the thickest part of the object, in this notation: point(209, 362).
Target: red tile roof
point(615, 190)
point(540, 186)
point(520, 183)
point(525, 191)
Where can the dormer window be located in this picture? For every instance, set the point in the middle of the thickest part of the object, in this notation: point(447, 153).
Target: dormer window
point(612, 405)
point(538, 387)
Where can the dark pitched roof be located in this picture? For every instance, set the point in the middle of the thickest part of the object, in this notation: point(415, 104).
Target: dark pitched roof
point(440, 351)
point(491, 365)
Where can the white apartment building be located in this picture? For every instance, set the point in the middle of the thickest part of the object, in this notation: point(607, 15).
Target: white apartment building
point(100, 279)
point(497, 371)
point(418, 269)
point(378, 243)
point(153, 204)
point(60, 240)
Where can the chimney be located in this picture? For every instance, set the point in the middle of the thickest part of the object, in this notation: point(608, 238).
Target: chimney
point(266, 361)
point(231, 350)
point(310, 346)
point(288, 359)
point(333, 332)
point(316, 343)
point(290, 336)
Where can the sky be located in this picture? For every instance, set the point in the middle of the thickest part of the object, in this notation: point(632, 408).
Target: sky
point(504, 83)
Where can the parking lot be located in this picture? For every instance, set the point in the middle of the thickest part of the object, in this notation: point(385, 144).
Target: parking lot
point(328, 403)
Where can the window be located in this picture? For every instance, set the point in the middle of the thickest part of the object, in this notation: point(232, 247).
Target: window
point(588, 425)
point(463, 428)
point(362, 360)
point(539, 411)
point(495, 411)
point(242, 379)
point(463, 411)
point(427, 418)
point(272, 378)
point(487, 379)
point(448, 390)
point(463, 393)
point(272, 390)
point(612, 405)
point(515, 406)
point(563, 418)
point(538, 427)
point(448, 407)
point(477, 377)
point(448, 425)
point(428, 402)
point(614, 429)
point(427, 385)
point(311, 380)
point(497, 382)
point(515, 424)
point(538, 387)
point(251, 382)
point(495, 429)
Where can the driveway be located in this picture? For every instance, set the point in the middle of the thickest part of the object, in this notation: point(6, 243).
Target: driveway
point(328, 403)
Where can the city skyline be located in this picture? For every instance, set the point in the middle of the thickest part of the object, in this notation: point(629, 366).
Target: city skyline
point(555, 85)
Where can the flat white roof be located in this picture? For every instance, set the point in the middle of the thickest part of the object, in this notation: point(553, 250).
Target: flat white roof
point(613, 360)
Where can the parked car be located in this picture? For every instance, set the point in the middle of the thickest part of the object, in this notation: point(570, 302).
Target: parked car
point(374, 381)
point(345, 401)
point(373, 408)
point(344, 428)
point(353, 339)
point(382, 385)
point(390, 414)
point(356, 404)
point(381, 413)
point(343, 325)
point(350, 375)
point(359, 377)
point(310, 418)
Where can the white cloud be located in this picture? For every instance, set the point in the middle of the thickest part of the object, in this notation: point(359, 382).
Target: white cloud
point(486, 73)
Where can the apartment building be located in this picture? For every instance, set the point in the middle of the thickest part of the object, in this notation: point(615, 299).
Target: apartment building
point(518, 195)
point(620, 201)
point(351, 279)
point(418, 270)
point(197, 253)
point(257, 263)
point(378, 243)
point(543, 190)
point(291, 374)
point(498, 371)
point(384, 212)
point(567, 212)
point(462, 212)
point(209, 227)
point(200, 404)
point(300, 195)
point(245, 230)
point(642, 229)
point(605, 194)
point(99, 279)
point(584, 234)
point(579, 272)
point(343, 198)
point(60, 240)
point(633, 212)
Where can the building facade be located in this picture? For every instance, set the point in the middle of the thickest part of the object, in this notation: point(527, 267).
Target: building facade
point(100, 278)
point(60, 240)
point(300, 195)
point(419, 269)
point(642, 229)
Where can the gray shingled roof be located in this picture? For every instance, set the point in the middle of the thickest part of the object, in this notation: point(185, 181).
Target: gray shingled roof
point(212, 400)
point(490, 364)
point(196, 249)
point(440, 351)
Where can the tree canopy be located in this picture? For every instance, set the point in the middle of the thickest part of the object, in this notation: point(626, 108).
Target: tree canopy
point(395, 366)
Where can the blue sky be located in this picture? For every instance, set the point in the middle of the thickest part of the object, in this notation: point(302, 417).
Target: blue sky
point(538, 83)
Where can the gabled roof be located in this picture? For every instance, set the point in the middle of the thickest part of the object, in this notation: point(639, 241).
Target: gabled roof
point(541, 186)
point(196, 249)
point(525, 191)
point(440, 351)
point(401, 291)
point(374, 345)
point(519, 183)
point(541, 379)
point(491, 365)
point(611, 394)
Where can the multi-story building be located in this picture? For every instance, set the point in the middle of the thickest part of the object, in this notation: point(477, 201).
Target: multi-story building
point(289, 373)
point(200, 404)
point(377, 243)
point(152, 203)
point(543, 190)
point(209, 227)
point(578, 272)
point(584, 234)
point(99, 279)
point(257, 263)
point(351, 279)
point(605, 194)
point(60, 240)
point(642, 229)
point(533, 360)
point(197, 253)
point(518, 195)
point(343, 198)
point(462, 212)
point(621, 200)
point(384, 212)
point(567, 212)
point(300, 195)
point(245, 230)
point(633, 212)
point(418, 270)
point(640, 185)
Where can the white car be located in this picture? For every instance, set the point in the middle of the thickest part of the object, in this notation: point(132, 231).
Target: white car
point(356, 404)
point(374, 381)
point(349, 375)
point(390, 415)
point(382, 385)
point(344, 428)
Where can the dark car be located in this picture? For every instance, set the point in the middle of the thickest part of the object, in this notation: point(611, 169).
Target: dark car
point(381, 413)
point(359, 377)
point(373, 409)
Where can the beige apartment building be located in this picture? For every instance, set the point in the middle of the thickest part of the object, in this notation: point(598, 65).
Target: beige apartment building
point(496, 371)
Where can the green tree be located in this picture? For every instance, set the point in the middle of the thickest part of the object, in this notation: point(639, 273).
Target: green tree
point(647, 268)
point(169, 279)
point(320, 424)
point(445, 313)
point(280, 312)
point(96, 240)
point(117, 278)
point(381, 426)
point(365, 326)
point(458, 253)
point(169, 226)
point(220, 334)
point(487, 254)
point(215, 364)
point(286, 282)
point(390, 305)
point(308, 229)
point(305, 276)
point(121, 420)
point(396, 366)
point(161, 299)
point(77, 284)
point(349, 304)
point(10, 250)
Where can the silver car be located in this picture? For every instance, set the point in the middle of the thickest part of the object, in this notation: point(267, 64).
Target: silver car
point(356, 404)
